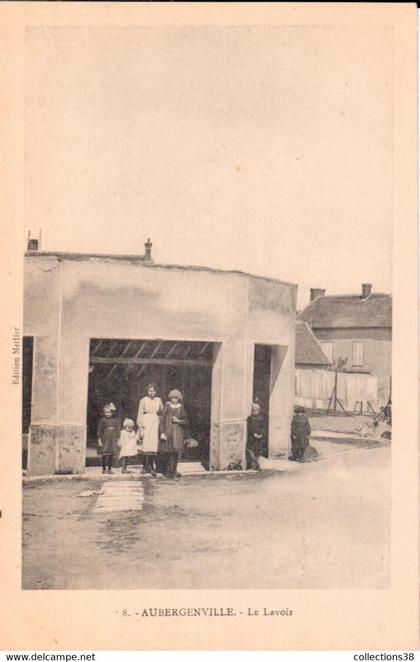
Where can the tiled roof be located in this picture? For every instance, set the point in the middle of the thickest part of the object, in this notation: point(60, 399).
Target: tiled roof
point(308, 349)
point(332, 312)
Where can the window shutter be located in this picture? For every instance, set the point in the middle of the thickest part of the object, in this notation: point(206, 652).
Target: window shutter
point(358, 354)
point(328, 349)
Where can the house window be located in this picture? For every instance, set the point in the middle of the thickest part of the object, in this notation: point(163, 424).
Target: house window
point(357, 354)
point(328, 349)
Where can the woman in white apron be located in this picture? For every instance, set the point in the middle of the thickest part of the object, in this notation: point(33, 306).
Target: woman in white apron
point(150, 409)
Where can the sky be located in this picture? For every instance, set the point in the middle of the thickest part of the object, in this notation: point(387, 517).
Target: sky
point(265, 149)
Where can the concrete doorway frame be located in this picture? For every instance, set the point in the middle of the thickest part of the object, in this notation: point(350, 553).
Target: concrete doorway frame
point(122, 355)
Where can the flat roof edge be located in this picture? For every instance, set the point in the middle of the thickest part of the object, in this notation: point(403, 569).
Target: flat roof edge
point(150, 264)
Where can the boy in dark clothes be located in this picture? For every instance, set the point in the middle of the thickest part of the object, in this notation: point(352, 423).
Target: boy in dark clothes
point(255, 437)
point(300, 434)
point(108, 435)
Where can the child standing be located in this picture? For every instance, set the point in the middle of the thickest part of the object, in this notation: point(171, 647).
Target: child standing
point(171, 434)
point(108, 434)
point(300, 434)
point(255, 437)
point(128, 444)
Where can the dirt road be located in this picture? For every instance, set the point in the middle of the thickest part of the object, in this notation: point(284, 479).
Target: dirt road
point(321, 525)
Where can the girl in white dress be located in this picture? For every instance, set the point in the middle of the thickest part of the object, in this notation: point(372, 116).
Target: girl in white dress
point(128, 444)
point(150, 409)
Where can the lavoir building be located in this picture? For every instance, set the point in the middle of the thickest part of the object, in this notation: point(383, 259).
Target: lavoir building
point(99, 328)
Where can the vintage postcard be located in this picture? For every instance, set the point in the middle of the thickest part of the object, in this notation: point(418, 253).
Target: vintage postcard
point(209, 339)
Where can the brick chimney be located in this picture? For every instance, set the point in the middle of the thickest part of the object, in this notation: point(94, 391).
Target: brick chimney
point(33, 244)
point(366, 290)
point(315, 293)
point(148, 249)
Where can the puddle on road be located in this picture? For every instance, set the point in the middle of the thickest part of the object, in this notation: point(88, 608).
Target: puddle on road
point(118, 535)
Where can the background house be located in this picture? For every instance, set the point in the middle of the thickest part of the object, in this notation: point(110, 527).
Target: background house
point(313, 381)
point(356, 327)
point(309, 352)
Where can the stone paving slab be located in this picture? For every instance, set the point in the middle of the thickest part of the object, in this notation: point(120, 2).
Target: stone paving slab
point(120, 496)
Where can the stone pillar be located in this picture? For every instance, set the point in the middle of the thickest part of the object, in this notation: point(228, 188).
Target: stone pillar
point(231, 389)
point(72, 404)
point(56, 449)
point(42, 437)
point(282, 376)
point(216, 406)
point(57, 439)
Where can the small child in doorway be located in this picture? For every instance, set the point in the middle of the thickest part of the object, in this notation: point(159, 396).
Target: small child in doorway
point(128, 444)
point(108, 434)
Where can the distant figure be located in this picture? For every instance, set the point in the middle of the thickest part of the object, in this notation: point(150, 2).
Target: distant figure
point(128, 444)
point(300, 436)
point(255, 437)
point(388, 413)
point(108, 435)
point(173, 423)
point(150, 408)
point(383, 422)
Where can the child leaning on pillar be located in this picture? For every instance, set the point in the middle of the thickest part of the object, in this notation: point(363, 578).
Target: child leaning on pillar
point(256, 434)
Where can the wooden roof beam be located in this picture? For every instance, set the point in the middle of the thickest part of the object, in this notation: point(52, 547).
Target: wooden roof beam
point(113, 346)
point(171, 351)
point(96, 349)
point(140, 350)
point(126, 349)
point(114, 367)
point(118, 360)
point(203, 349)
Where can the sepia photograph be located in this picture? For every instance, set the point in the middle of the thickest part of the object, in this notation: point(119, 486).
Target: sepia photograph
point(211, 340)
point(241, 409)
